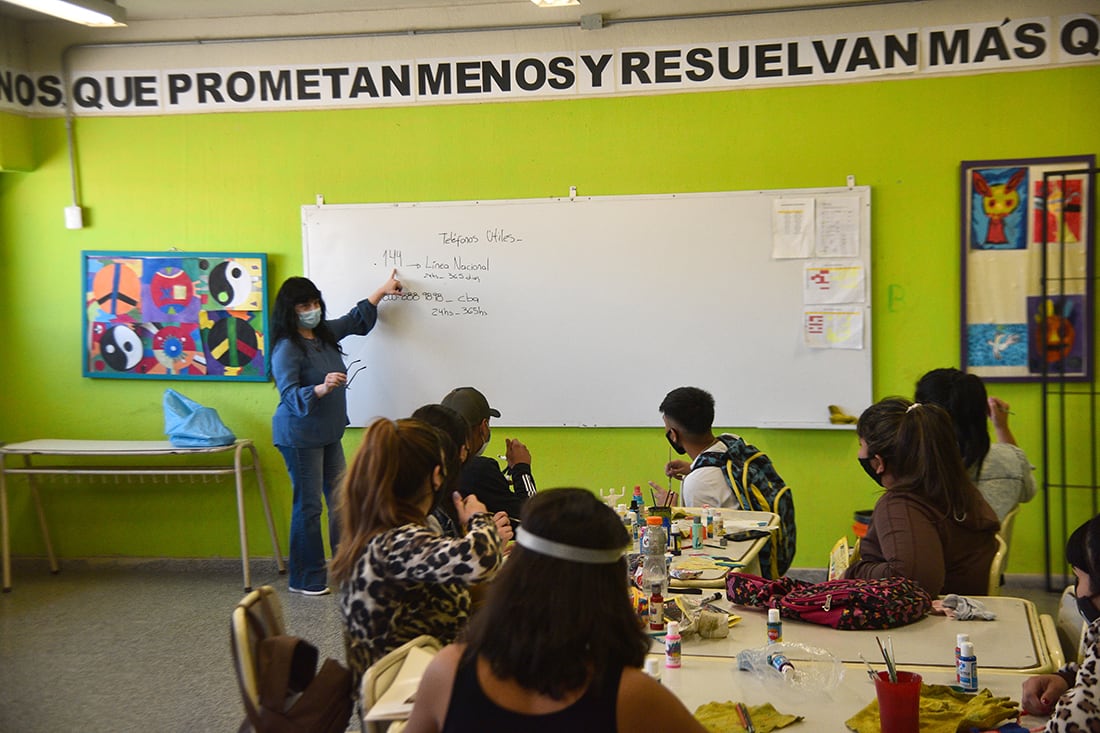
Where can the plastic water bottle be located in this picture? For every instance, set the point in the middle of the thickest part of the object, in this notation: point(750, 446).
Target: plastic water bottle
point(654, 568)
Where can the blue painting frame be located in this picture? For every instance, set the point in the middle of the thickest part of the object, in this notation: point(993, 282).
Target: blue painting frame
point(1027, 232)
point(175, 315)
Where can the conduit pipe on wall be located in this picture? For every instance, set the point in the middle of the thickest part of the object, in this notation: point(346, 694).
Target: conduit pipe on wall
point(70, 134)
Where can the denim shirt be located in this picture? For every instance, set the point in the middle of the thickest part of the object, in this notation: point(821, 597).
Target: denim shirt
point(302, 419)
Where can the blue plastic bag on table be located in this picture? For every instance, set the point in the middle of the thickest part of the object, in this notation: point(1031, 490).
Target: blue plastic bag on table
point(191, 425)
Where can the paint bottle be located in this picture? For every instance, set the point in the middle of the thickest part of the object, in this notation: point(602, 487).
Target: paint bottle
point(638, 500)
point(673, 645)
point(631, 524)
point(697, 532)
point(653, 668)
point(656, 609)
point(968, 667)
point(959, 639)
point(775, 626)
point(780, 663)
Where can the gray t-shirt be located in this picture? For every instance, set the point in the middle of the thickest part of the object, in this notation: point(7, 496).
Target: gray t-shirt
point(1005, 479)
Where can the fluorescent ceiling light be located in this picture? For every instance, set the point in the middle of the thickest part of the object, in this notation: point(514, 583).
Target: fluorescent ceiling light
point(555, 3)
point(85, 12)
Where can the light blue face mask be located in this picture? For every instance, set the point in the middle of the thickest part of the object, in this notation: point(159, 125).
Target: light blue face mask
point(310, 319)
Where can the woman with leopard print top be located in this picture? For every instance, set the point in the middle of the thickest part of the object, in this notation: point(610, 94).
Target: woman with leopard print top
point(1072, 696)
point(398, 579)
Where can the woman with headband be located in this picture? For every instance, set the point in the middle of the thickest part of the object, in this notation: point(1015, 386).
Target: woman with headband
point(557, 646)
point(931, 525)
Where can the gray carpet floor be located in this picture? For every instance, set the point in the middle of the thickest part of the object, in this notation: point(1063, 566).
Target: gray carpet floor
point(114, 645)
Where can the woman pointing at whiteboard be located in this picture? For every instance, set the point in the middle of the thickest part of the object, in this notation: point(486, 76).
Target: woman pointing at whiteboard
point(308, 365)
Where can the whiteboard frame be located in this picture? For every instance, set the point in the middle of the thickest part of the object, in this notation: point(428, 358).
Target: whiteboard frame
point(315, 249)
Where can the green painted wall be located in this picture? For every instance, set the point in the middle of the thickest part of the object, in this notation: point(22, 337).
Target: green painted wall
point(236, 182)
point(16, 151)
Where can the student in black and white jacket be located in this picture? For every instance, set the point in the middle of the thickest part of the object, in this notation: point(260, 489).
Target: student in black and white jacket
point(482, 475)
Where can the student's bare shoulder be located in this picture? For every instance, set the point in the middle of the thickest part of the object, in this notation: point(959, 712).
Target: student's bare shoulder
point(646, 704)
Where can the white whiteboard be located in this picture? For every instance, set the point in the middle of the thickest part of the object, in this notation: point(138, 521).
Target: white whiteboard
point(587, 311)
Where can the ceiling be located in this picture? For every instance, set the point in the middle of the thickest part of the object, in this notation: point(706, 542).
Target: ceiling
point(169, 10)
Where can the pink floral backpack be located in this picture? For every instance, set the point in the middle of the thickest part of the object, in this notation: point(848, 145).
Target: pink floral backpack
point(845, 603)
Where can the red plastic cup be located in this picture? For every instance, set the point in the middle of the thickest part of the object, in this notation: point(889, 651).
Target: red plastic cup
point(898, 702)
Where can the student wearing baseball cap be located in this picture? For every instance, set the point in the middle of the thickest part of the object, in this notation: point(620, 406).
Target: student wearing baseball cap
point(482, 475)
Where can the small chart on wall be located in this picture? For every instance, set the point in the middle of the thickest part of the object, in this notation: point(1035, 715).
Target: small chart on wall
point(175, 315)
point(586, 311)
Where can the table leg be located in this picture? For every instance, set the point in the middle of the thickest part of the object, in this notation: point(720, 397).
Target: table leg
point(54, 567)
point(241, 521)
point(4, 523)
point(267, 510)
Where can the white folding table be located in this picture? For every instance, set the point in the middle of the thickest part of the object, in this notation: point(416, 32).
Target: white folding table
point(75, 451)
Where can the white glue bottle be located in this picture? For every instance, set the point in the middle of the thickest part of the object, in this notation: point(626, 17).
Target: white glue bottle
point(968, 667)
point(653, 668)
point(959, 639)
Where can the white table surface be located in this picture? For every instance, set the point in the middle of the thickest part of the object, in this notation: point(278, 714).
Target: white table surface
point(1012, 642)
point(745, 553)
point(64, 447)
point(701, 680)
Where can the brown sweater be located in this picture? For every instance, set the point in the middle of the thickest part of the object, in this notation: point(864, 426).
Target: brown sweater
point(910, 537)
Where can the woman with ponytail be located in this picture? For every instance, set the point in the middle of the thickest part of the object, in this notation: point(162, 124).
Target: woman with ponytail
point(931, 525)
point(1001, 470)
point(397, 578)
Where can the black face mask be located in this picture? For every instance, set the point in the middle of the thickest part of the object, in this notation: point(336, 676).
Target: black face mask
point(866, 463)
point(678, 447)
point(1087, 608)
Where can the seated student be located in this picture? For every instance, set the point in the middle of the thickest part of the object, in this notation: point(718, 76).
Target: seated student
point(1001, 470)
point(1072, 696)
point(482, 475)
point(398, 579)
point(455, 429)
point(931, 525)
point(558, 645)
point(688, 413)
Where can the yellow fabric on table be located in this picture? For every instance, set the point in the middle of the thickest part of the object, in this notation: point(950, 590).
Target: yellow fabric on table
point(944, 710)
point(721, 717)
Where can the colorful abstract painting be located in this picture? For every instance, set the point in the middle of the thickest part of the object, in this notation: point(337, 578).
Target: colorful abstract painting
point(1027, 233)
point(175, 315)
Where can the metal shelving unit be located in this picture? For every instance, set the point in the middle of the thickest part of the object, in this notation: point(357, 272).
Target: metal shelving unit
point(1070, 437)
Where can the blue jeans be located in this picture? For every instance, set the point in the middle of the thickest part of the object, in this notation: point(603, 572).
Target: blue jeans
point(314, 472)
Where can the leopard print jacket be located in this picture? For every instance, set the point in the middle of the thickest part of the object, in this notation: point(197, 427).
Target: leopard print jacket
point(411, 581)
point(1078, 710)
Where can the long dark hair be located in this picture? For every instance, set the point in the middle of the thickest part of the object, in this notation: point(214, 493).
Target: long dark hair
point(965, 399)
point(554, 625)
point(917, 443)
point(384, 485)
point(453, 430)
point(1083, 550)
point(284, 319)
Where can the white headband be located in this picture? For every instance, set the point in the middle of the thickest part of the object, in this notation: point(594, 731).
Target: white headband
point(589, 556)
